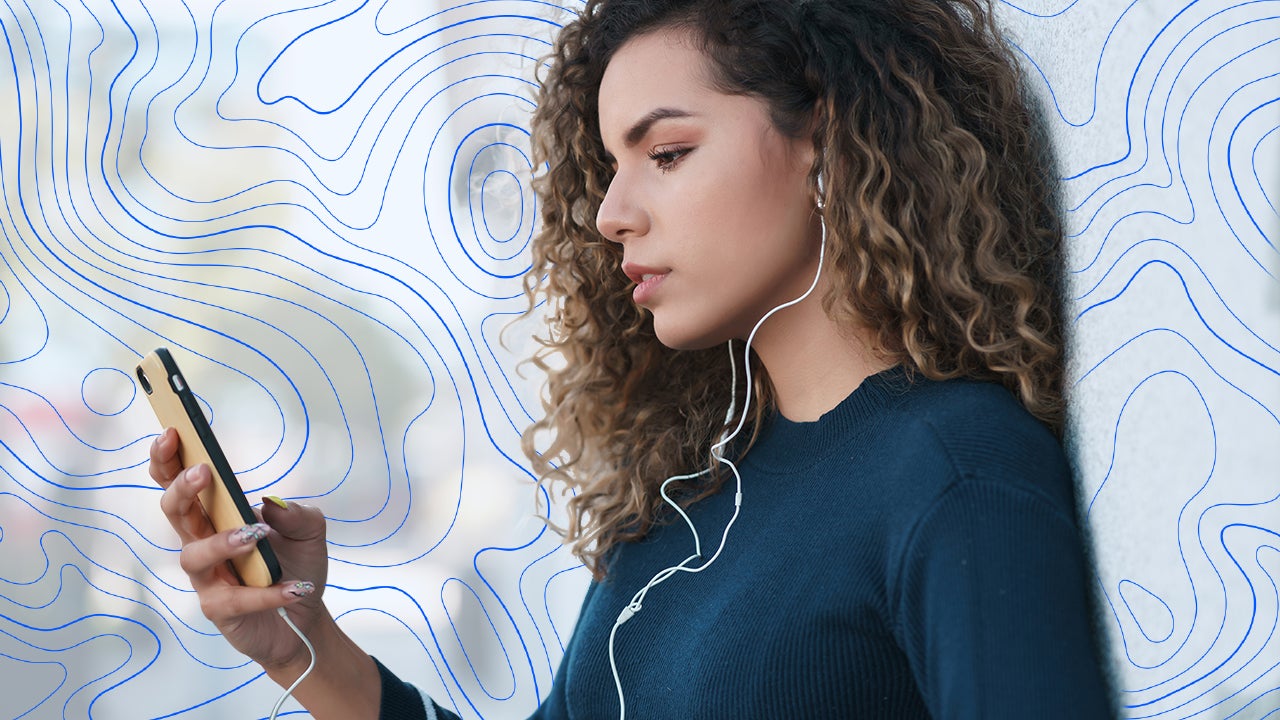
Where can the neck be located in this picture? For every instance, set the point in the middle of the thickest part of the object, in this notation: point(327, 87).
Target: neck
point(812, 361)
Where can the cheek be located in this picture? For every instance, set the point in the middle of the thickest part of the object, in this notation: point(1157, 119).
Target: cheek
point(769, 225)
point(724, 206)
point(735, 212)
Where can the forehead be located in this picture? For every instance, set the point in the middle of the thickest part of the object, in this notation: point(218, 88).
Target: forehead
point(658, 69)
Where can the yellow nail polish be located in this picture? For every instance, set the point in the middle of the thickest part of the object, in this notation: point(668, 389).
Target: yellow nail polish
point(276, 501)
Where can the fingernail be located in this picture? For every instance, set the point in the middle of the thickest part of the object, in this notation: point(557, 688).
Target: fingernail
point(249, 534)
point(196, 473)
point(300, 589)
point(276, 501)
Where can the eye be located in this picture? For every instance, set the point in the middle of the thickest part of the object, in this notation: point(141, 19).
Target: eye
point(668, 158)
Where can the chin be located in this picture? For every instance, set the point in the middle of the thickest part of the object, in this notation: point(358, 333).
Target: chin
point(684, 336)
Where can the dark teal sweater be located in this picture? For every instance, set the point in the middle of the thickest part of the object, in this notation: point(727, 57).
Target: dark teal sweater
point(911, 554)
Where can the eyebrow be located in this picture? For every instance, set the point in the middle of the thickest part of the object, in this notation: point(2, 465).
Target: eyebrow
point(642, 126)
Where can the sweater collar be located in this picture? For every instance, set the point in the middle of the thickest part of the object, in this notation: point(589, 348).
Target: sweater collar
point(785, 445)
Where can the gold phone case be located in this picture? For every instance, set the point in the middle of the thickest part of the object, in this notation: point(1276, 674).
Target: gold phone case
point(223, 501)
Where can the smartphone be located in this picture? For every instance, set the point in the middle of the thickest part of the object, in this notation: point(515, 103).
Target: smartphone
point(223, 501)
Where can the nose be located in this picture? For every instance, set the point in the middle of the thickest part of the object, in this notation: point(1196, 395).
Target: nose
point(621, 215)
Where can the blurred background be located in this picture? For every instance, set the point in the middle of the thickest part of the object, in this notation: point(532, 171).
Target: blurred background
point(323, 210)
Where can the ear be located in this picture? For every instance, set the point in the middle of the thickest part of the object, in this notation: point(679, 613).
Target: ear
point(800, 155)
point(805, 157)
point(805, 152)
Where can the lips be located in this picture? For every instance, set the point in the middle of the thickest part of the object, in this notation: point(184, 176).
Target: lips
point(642, 273)
point(647, 280)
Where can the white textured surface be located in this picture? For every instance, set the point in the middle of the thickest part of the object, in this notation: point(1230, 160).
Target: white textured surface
point(1165, 119)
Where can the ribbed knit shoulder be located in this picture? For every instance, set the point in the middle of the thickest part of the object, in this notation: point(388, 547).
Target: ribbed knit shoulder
point(928, 431)
point(983, 550)
point(984, 433)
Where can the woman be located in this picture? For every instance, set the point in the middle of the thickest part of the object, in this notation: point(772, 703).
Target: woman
point(883, 524)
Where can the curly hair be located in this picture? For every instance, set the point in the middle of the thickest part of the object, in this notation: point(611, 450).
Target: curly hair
point(939, 200)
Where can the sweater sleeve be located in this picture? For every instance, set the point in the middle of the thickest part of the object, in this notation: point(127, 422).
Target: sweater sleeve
point(993, 610)
point(402, 701)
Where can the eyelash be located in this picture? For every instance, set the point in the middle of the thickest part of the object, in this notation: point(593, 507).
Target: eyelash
point(668, 158)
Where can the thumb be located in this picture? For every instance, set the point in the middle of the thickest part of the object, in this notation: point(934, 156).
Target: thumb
point(293, 520)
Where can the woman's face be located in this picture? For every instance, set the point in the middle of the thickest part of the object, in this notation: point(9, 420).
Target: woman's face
point(709, 202)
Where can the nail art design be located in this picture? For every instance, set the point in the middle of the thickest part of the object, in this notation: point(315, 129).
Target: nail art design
point(278, 502)
point(249, 534)
point(300, 589)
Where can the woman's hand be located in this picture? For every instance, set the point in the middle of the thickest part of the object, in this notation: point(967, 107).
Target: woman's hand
point(345, 683)
point(246, 616)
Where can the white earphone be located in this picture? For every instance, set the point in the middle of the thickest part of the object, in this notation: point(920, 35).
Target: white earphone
point(717, 451)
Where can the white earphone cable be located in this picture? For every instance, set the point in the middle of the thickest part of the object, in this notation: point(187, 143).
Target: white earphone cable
point(717, 451)
point(287, 693)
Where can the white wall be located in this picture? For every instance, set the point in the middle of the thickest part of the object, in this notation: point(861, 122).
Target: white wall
point(1166, 121)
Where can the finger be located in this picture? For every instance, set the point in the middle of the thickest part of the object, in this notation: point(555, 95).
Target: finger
point(292, 520)
point(180, 503)
point(227, 602)
point(165, 463)
point(205, 560)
